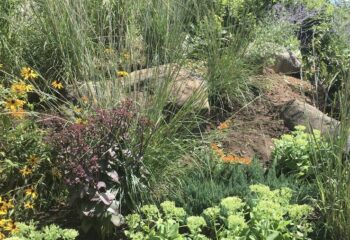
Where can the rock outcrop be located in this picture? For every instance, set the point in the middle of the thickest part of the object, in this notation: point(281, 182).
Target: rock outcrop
point(178, 84)
point(287, 63)
point(300, 113)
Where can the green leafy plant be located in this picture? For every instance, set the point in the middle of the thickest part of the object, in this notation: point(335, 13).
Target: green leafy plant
point(51, 232)
point(267, 215)
point(293, 152)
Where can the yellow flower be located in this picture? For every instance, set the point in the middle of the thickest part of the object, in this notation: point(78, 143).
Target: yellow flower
point(3, 222)
point(30, 192)
point(80, 121)
point(56, 172)
point(126, 56)
point(28, 205)
point(33, 159)
point(21, 88)
point(2, 236)
point(109, 50)
point(57, 85)
point(11, 227)
point(122, 74)
point(29, 74)
point(14, 104)
point(3, 207)
point(3, 211)
point(85, 99)
point(77, 109)
point(9, 204)
point(26, 171)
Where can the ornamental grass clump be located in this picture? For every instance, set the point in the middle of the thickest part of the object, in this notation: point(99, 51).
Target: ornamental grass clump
point(102, 162)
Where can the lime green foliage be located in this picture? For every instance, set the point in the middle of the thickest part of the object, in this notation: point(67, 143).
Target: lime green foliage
point(152, 223)
point(172, 212)
point(52, 232)
point(231, 205)
point(271, 216)
point(293, 152)
point(195, 223)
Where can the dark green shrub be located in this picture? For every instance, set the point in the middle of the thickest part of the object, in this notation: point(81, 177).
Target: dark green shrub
point(208, 180)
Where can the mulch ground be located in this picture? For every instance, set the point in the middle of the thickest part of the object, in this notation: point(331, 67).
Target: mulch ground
point(253, 127)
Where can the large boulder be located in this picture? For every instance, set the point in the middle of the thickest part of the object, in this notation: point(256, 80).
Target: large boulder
point(287, 63)
point(178, 84)
point(300, 113)
point(296, 113)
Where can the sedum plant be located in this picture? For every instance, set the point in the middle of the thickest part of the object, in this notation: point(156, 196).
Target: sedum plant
point(267, 215)
point(51, 232)
point(294, 152)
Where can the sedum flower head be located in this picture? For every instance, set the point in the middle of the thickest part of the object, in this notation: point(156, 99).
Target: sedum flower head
point(212, 213)
point(195, 223)
point(231, 205)
point(133, 220)
point(262, 191)
point(268, 210)
point(171, 211)
point(236, 222)
point(283, 195)
point(151, 211)
point(297, 212)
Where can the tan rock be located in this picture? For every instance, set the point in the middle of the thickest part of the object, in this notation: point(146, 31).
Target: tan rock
point(181, 85)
